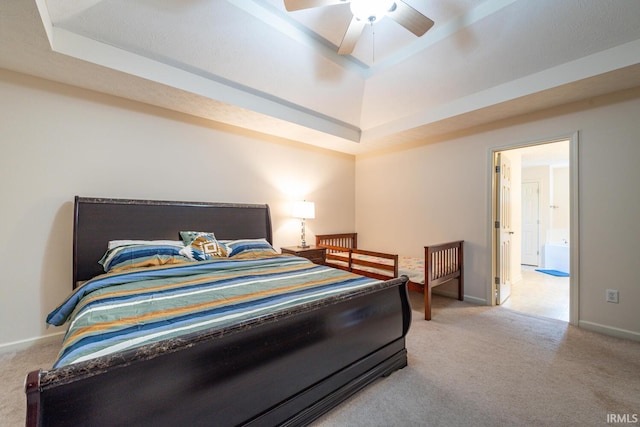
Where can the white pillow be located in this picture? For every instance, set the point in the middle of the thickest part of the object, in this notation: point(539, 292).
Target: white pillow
point(118, 243)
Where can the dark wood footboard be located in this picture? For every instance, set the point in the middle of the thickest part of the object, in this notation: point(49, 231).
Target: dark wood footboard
point(286, 369)
point(443, 262)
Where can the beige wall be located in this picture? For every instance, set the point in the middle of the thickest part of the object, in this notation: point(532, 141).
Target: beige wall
point(440, 192)
point(58, 141)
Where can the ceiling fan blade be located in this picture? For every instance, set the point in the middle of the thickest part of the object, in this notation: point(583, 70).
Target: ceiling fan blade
point(292, 5)
point(410, 18)
point(351, 36)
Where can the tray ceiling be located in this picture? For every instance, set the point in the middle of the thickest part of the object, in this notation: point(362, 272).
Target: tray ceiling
point(252, 64)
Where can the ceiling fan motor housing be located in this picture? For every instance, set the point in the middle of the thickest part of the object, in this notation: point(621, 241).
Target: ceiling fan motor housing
point(371, 10)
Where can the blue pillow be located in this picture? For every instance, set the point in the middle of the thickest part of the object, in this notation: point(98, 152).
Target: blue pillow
point(134, 256)
point(249, 248)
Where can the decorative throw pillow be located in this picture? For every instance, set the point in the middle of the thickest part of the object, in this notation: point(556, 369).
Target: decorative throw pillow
point(122, 258)
point(249, 248)
point(201, 246)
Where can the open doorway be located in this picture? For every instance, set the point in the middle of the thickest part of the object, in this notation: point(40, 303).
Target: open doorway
point(532, 228)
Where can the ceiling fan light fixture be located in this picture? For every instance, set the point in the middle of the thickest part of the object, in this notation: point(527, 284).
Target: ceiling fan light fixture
point(370, 11)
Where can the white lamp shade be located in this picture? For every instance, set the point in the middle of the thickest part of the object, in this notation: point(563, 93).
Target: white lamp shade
point(303, 210)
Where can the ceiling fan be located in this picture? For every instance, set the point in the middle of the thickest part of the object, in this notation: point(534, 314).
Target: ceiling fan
point(369, 12)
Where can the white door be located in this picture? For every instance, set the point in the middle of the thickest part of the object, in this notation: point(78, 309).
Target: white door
point(503, 230)
point(531, 223)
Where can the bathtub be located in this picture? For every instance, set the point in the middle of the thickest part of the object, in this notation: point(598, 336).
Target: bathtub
point(556, 256)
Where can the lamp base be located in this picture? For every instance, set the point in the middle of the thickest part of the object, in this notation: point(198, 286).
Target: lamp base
point(304, 246)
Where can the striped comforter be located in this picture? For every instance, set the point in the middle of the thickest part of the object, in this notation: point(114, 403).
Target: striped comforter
point(120, 311)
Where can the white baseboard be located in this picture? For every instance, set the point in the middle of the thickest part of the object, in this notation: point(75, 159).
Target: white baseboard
point(609, 330)
point(22, 344)
point(454, 295)
point(475, 300)
point(449, 294)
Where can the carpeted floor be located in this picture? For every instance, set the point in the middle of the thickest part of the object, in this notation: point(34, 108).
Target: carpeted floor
point(14, 366)
point(482, 366)
point(471, 365)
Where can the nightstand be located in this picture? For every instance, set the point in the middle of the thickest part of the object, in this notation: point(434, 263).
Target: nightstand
point(312, 253)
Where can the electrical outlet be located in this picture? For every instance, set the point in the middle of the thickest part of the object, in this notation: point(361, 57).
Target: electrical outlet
point(612, 295)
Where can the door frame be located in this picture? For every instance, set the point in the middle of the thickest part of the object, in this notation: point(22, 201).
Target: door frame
point(574, 229)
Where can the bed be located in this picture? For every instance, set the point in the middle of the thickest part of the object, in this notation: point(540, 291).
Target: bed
point(285, 366)
point(441, 264)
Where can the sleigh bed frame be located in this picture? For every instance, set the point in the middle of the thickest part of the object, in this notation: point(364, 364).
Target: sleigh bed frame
point(442, 263)
point(287, 368)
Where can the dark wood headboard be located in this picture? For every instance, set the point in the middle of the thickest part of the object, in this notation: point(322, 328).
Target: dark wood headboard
point(97, 221)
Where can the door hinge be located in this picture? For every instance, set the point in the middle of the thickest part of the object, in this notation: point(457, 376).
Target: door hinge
point(497, 280)
point(498, 169)
point(497, 224)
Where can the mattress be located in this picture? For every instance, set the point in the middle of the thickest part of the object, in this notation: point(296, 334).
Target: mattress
point(411, 267)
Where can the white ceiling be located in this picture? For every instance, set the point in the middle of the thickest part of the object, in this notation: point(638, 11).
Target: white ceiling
point(555, 154)
point(251, 64)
